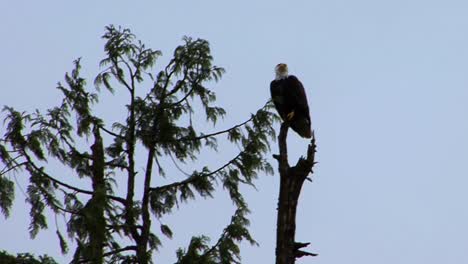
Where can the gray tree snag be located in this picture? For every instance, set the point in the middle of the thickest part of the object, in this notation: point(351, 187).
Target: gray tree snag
point(291, 181)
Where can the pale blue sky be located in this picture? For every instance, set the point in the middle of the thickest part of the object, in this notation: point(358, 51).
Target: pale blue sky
point(388, 89)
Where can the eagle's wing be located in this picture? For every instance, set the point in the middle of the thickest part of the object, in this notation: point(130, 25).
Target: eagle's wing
point(276, 90)
point(301, 122)
point(299, 95)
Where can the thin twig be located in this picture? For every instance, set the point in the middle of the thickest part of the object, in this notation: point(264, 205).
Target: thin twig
point(111, 133)
point(193, 178)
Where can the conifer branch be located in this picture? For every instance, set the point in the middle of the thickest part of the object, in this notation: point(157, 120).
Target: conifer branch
point(178, 85)
point(73, 188)
point(168, 78)
point(110, 253)
point(70, 146)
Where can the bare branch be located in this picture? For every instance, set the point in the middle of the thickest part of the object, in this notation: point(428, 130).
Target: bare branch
point(118, 77)
point(223, 131)
point(111, 133)
point(178, 85)
point(127, 248)
point(301, 253)
point(216, 133)
point(208, 252)
point(123, 167)
point(183, 98)
point(7, 169)
point(194, 177)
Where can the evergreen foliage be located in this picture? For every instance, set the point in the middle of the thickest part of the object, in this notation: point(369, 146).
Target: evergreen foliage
point(24, 258)
point(158, 122)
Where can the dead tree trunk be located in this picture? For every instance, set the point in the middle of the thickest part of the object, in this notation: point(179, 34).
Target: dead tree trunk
point(292, 179)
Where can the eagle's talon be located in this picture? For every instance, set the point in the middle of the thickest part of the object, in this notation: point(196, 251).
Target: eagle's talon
point(290, 116)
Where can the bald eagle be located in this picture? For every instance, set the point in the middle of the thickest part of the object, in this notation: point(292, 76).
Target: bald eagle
point(290, 101)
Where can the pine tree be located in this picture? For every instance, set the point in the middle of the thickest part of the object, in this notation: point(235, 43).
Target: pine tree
point(158, 123)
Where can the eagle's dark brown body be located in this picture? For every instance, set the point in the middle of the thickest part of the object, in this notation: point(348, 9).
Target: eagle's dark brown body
point(289, 96)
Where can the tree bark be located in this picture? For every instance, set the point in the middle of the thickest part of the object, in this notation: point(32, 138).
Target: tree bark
point(96, 205)
point(291, 181)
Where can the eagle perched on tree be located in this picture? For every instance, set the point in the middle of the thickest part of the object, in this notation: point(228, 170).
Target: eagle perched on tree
point(290, 101)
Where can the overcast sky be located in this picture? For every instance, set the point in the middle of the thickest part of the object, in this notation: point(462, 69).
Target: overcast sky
point(387, 85)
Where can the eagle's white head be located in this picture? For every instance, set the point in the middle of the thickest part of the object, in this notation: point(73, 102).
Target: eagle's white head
point(281, 71)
